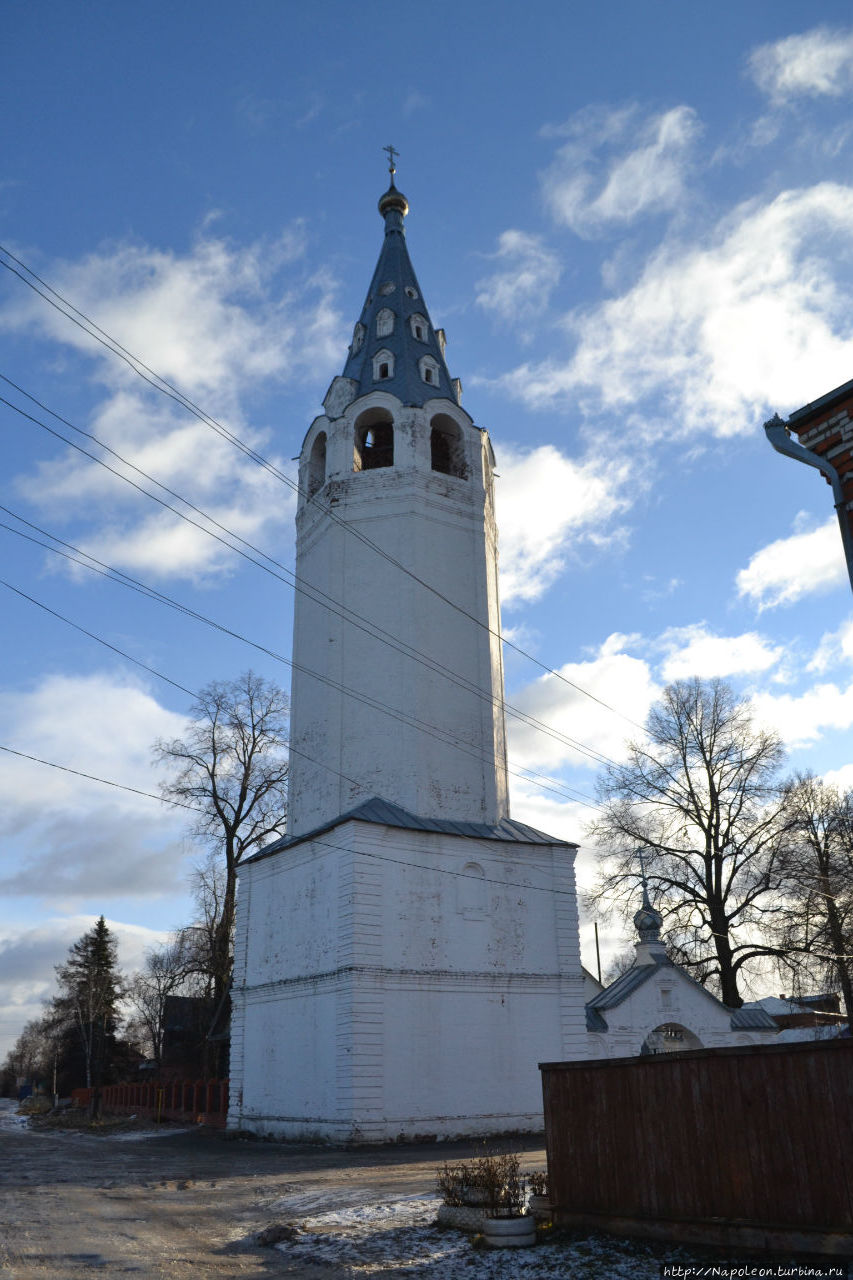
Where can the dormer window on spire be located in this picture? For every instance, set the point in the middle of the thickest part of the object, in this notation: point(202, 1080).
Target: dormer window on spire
point(358, 336)
point(429, 370)
point(383, 365)
point(419, 327)
point(385, 323)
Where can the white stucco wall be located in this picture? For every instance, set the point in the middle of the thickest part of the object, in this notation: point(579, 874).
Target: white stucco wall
point(376, 998)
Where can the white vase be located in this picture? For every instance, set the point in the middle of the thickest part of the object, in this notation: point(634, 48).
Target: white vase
point(510, 1233)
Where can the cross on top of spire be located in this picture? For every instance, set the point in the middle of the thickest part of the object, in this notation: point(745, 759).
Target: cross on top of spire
point(647, 920)
point(643, 879)
point(392, 154)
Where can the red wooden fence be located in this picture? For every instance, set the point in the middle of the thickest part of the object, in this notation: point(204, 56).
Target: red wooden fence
point(748, 1146)
point(191, 1101)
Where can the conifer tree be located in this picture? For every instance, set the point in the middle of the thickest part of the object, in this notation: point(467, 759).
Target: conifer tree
point(90, 988)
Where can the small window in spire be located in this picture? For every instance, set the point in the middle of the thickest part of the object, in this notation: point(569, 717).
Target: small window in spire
point(410, 292)
point(419, 327)
point(358, 338)
point(387, 286)
point(383, 365)
point(429, 370)
point(384, 322)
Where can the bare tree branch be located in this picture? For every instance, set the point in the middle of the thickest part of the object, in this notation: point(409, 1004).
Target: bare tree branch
point(702, 801)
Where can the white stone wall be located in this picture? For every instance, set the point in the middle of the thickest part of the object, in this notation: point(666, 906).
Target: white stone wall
point(668, 997)
point(382, 721)
point(381, 996)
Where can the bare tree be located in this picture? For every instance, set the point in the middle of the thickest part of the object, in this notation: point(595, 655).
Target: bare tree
point(232, 767)
point(815, 927)
point(31, 1057)
point(700, 799)
point(166, 971)
point(207, 884)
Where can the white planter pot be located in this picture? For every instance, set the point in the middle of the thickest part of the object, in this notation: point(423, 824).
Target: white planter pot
point(510, 1233)
point(463, 1217)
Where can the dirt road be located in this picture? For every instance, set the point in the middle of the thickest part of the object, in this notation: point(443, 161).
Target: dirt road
point(181, 1207)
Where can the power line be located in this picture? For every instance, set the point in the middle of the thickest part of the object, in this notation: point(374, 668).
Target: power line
point(115, 575)
point(289, 579)
point(162, 385)
point(152, 670)
point(327, 844)
point(120, 786)
point(61, 617)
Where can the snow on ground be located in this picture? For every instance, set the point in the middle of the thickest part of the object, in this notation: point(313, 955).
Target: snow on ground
point(9, 1118)
point(137, 1135)
point(380, 1237)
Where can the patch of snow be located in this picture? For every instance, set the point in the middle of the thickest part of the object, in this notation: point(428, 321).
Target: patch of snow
point(9, 1118)
point(369, 1237)
point(141, 1135)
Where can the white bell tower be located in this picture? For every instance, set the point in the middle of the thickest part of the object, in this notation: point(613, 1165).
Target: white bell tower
point(407, 954)
point(398, 684)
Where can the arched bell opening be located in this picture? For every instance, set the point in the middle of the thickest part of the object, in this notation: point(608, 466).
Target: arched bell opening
point(447, 451)
point(317, 465)
point(374, 440)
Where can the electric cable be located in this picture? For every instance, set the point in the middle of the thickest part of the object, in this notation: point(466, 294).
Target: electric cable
point(299, 585)
point(144, 589)
point(166, 388)
point(61, 617)
point(380, 857)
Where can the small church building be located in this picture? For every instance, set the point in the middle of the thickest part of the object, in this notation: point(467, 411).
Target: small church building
point(408, 953)
point(656, 1007)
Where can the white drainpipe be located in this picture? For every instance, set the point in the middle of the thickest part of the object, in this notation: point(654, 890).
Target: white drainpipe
point(779, 436)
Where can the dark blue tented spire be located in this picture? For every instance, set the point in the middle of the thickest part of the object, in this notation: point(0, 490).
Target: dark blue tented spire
point(394, 346)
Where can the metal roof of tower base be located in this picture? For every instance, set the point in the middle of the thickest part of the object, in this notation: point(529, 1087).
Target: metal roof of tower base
point(383, 813)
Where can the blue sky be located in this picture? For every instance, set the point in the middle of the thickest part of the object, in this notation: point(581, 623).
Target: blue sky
point(633, 222)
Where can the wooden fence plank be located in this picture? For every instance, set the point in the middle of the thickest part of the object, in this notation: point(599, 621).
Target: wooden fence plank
point(758, 1136)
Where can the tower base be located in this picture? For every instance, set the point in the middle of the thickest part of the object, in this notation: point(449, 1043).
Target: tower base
point(400, 980)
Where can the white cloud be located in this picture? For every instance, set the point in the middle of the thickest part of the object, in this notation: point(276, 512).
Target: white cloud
point(818, 63)
point(549, 506)
point(415, 101)
point(710, 337)
point(75, 837)
point(789, 568)
point(804, 718)
point(618, 166)
point(28, 955)
point(613, 676)
point(695, 651)
point(841, 778)
point(217, 322)
point(518, 291)
point(211, 321)
point(835, 648)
